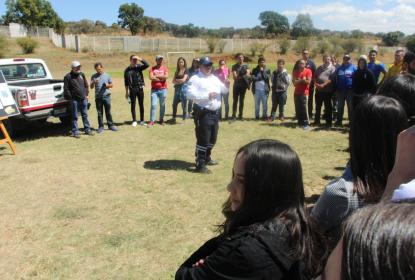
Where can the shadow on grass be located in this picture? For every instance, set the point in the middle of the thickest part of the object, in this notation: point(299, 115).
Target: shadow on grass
point(329, 177)
point(281, 124)
point(340, 168)
point(167, 164)
point(35, 130)
point(332, 128)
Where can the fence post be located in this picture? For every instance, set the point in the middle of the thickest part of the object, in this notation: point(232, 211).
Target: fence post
point(77, 43)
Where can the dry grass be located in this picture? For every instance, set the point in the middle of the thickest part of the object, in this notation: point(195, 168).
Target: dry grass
point(121, 205)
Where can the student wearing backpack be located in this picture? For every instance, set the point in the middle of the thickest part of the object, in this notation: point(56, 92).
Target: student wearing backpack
point(280, 83)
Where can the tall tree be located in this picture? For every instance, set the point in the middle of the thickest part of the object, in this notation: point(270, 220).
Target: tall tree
point(274, 22)
point(393, 38)
point(131, 16)
point(302, 26)
point(32, 13)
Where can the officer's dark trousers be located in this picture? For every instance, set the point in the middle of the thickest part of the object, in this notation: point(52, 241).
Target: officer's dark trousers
point(207, 126)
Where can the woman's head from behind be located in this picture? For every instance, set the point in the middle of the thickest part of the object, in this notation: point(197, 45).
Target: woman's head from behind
point(379, 243)
point(266, 182)
point(374, 130)
point(401, 88)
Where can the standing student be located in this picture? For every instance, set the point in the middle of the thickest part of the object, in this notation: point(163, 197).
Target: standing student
point(261, 87)
point(193, 70)
point(134, 86)
point(324, 90)
point(344, 91)
point(242, 80)
point(158, 77)
point(205, 90)
point(309, 64)
point(180, 77)
point(376, 66)
point(280, 82)
point(396, 68)
point(75, 89)
point(102, 83)
point(409, 63)
point(301, 79)
point(223, 73)
point(364, 82)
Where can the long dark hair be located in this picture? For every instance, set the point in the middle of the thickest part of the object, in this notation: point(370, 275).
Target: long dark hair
point(374, 130)
point(273, 189)
point(178, 66)
point(379, 243)
point(401, 88)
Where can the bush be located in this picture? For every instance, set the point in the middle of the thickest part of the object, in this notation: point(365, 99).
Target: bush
point(350, 45)
point(285, 45)
point(27, 44)
point(410, 43)
point(3, 46)
point(257, 47)
point(336, 48)
point(211, 42)
point(323, 47)
point(85, 49)
point(301, 44)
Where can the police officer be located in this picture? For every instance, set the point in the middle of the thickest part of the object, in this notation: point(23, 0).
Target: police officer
point(205, 90)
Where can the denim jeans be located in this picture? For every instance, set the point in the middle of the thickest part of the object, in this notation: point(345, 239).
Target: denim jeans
point(82, 107)
point(179, 97)
point(261, 96)
point(225, 102)
point(344, 96)
point(156, 95)
point(102, 103)
point(279, 99)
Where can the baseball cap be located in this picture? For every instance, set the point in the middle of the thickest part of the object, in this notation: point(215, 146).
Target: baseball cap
point(346, 56)
point(75, 64)
point(205, 61)
point(159, 56)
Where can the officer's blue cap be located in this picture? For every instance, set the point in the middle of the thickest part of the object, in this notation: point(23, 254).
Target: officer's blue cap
point(205, 61)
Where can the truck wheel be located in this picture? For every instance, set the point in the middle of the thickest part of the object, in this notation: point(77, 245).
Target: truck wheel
point(65, 120)
point(9, 127)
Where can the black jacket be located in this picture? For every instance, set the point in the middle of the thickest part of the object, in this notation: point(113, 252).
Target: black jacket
point(254, 252)
point(363, 82)
point(258, 75)
point(133, 77)
point(75, 86)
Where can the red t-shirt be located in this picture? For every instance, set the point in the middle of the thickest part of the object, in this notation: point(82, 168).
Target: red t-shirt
point(155, 71)
point(302, 89)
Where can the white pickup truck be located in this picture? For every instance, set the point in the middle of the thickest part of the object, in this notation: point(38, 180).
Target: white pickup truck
point(37, 94)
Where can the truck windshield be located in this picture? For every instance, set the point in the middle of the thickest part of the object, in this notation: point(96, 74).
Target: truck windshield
point(24, 71)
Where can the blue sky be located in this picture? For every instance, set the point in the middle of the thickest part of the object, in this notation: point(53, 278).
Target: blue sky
point(367, 15)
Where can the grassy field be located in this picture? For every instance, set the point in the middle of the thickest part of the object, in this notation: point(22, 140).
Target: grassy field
point(122, 205)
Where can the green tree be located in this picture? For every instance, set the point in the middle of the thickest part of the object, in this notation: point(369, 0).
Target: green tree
point(32, 13)
point(392, 38)
point(131, 16)
point(301, 44)
point(302, 26)
point(410, 43)
point(274, 23)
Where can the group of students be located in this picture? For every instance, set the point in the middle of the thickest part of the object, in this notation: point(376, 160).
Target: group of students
point(361, 227)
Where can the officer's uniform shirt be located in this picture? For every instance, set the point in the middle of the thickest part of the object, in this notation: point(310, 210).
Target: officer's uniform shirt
point(201, 85)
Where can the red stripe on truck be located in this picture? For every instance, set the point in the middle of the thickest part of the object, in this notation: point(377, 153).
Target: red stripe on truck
point(35, 108)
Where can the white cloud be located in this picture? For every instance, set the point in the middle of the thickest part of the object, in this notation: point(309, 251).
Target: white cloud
point(341, 16)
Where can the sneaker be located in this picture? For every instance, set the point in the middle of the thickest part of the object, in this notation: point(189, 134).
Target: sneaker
point(89, 132)
point(161, 122)
point(113, 128)
point(75, 135)
point(150, 124)
point(306, 127)
point(172, 121)
point(212, 162)
point(143, 123)
point(134, 123)
point(100, 130)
